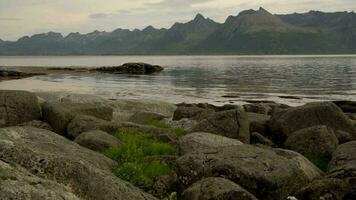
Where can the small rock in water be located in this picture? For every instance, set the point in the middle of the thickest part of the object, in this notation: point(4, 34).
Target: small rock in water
point(132, 68)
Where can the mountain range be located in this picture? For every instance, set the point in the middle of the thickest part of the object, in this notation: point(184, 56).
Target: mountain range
point(250, 32)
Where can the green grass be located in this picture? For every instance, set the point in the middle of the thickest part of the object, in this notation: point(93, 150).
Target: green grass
point(159, 124)
point(130, 156)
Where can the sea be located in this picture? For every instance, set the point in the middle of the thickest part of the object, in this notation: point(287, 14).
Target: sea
point(293, 80)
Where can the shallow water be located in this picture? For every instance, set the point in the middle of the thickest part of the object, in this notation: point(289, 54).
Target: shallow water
point(212, 79)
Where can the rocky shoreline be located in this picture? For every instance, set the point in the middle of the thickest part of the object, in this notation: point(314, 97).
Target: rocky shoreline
point(71, 146)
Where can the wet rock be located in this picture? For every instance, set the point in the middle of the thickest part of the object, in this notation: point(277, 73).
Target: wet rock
point(204, 141)
point(270, 174)
point(17, 183)
point(132, 68)
point(231, 123)
point(17, 107)
point(347, 106)
point(326, 188)
point(285, 122)
point(59, 115)
point(37, 124)
point(50, 156)
point(97, 140)
point(317, 143)
point(216, 189)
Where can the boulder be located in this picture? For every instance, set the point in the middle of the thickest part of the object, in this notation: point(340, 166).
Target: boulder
point(59, 115)
point(259, 108)
point(52, 157)
point(192, 112)
point(17, 183)
point(184, 124)
point(132, 68)
point(285, 122)
point(316, 143)
point(216, 189)
point(343, 163)
point(326, 188)
point(84, 123)
point(65, 97)
point(125, 108)
point(270, 174)
point(97, 140)
point(37, 124)
point(17, 107)
point(258, 122)
point(347, 106)
point(204, 141)
point(145, 117)
point(257, 138)
point(231, 123)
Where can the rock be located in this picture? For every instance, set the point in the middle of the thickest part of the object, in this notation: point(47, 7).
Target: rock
point(59, 115)
point(204, 141)
point(125, 108)
point(257, 138)
point(258, 123)
point(216, 189)
point(84, 123)
point(343, 136)
point(347, 106)
point(52, 157)
point(192, 112)
point(145, 117)
point(167, 138)
point(184, 124)
point(96, 140)
point(259, 108)
point(37, 124)
point(18, 107)
point(56, 97)
point(143, 128)
point(266, 173)
point(164, 185)
point(316, 143)
point(17, 183)
point(10, 74)
point(231, 123)
point(132, 68)
point(326, 188)
point(343, 163)
point(284, 123)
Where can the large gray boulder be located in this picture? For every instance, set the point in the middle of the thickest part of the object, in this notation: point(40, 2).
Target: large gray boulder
point(325, 188)
point(230, 123)
point(17, 183)
point(59, 115)
point(65, 97)
point(18, 107)
point(258, 123)
point(192, 112)
point(125, 108)
point(343, 163)
point(270, 174)
point(51, 156)
point(285, 122)
point(317, 143)
point(204, 141)
point(145, 117)
point(97, 140)
point(216, 189)
point(84, 123)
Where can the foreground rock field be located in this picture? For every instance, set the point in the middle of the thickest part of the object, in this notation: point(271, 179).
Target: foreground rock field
point(73, 146)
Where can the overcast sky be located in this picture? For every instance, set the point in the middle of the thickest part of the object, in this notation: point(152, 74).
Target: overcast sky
point(27, 17)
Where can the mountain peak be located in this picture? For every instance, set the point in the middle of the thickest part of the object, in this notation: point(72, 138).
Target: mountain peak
point(199, 17)
point(149, 29)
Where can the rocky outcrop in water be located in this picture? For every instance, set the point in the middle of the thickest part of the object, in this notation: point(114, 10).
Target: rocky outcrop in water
point(131, 68)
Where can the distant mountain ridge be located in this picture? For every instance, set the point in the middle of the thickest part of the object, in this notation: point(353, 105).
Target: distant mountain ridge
point(250, 32)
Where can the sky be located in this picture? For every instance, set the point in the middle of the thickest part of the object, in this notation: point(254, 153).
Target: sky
point(28, 17)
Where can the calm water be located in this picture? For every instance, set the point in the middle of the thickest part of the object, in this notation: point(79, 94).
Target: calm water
point(202, 78)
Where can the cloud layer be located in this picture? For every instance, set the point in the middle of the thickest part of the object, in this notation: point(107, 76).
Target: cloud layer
point(19, 17)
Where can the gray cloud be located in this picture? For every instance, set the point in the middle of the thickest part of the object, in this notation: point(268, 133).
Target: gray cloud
point(10, 19)
point(99, 15)
point(173, 4)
